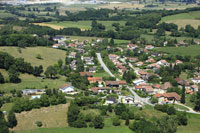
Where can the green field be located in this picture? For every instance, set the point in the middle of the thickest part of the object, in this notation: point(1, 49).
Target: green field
point(191, 50)
point(85, 24)
point(182, 19)
point(193, 125)
point(50, 56)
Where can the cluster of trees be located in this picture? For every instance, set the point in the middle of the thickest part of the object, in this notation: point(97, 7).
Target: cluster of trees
point(3, 123)
point(78, 120)
point(17, 65)
point(51, 98)
point(22, 40)
point(196, 100)
point(129, 76)
point(85, 100)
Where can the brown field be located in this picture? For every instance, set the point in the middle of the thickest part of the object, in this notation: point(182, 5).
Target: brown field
point(184, 22)
point(51, 117)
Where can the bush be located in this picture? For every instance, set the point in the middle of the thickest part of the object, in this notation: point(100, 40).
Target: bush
point(38, 123)
point(116, 121)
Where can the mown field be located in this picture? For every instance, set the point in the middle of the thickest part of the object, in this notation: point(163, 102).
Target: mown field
point(190, 50)
point(49, 56)
point(182, 19)
point(83, 25)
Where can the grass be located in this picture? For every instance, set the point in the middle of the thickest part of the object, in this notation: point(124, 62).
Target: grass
point(120, 129)
point(190, 50)
point(192, 126)
point(183, 19)
point(180, 107)
point(51, 117)
point(188, 103)
point(7, 107)
point(104, 74)
point(84, 25)
point(50, 56)
point(30, 81)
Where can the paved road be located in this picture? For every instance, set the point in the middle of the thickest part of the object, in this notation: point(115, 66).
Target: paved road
point(103, 65)
point(144, 100)
point(190, 109)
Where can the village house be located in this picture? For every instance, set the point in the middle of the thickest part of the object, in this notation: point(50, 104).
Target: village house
point(59, 38)
point(132, 46)
point(72, 55)
point(87, 74)
point(150, 60)
point(56, 45)
point(132, 59)
point(117, 91)
point(166, 85)
point(157, 89)
point(155, 54)
point(110, 100)
point(33, 91)
point(181, 43)
point(196, 80)
point(73, 65)
point(103, 90)
point(166, 98)
point(139, 64)
point(143, 74)
point(93, 69)
point(139, 81)
point(127, 99)
point(148, 47)
point(67, 89)
point(178, 62)
point(163, 63)
point(182, 82)
point(194, 88)
point(113, 56)
point(115, 83)
point(99, 40)
point(95, 79)
point(88, 60)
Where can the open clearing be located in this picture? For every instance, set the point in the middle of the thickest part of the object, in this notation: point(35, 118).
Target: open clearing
point(83, 25)
point(190, 50)
point(182, 19)
point(50, 56)
point(51, 117)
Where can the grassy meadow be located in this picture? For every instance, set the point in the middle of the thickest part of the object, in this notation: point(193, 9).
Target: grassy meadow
point(182, 19)
point(51, 117)
point(49, 56)
point(190, 50)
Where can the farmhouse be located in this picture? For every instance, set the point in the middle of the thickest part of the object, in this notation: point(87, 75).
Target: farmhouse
point(167, 97)
point(66, 89)
point(95, 79)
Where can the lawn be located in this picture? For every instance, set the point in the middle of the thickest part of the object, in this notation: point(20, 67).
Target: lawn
point(7, 107)
point(180, 107)
point(50, 56)
point(190, 50)
point(51, 117)
point(183, 19)
point(83, 25)
point(30, 81)
point(104, 74)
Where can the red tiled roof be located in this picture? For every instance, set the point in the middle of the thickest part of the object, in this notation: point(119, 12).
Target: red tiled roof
point(86, 74)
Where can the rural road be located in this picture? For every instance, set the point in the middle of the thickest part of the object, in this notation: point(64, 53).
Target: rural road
point(103, 65)
point(190, 109)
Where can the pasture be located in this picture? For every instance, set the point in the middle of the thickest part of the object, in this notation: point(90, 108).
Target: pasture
point(190, 50)
point(51, 117)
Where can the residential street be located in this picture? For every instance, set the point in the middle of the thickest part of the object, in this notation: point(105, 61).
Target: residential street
point(103, 65)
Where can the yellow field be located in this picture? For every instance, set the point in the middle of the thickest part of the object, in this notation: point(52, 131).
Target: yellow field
point(51, 117)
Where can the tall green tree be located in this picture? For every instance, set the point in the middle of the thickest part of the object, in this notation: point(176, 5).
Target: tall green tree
point(13, 74)
point(183, 95)
point(50, 72)
point(98, 122)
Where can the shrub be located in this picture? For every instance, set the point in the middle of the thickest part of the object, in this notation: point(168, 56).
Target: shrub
point(38, 123)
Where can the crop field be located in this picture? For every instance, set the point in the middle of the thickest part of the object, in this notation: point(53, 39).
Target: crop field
point(49, 56)
point(83, 25)
point(191, 50)
point(51, 117)
point(182, 19)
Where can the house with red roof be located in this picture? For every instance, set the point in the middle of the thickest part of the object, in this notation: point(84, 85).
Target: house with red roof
point(95, 79)
point(171, 97)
